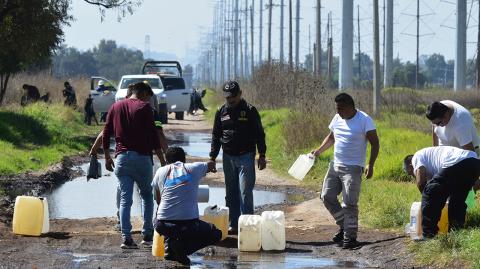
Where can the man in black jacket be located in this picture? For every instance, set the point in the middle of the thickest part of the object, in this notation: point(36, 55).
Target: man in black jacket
point(239, 131)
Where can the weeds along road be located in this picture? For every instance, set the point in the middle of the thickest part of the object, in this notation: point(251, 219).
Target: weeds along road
point(94, 243)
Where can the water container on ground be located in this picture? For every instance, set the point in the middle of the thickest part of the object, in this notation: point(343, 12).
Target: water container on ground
point(301, 166)
point(46, 217)
point(443, 222)
point(218, 216)
point(249, 233)
point(158, 247)
point(203, 194)
point(30, 216)
point(273, 230)
point(470, 201)
point(415, 230)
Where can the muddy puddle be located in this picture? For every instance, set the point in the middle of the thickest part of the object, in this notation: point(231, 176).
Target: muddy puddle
point(82, 199)
point(267, 260)
point(195, 144)
point(244, 260)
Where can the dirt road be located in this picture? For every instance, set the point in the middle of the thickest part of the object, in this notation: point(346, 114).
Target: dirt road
point(94, 243)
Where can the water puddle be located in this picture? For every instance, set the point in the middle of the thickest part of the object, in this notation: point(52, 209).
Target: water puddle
point(195, 144)
point(267, 260)
point(79, 199)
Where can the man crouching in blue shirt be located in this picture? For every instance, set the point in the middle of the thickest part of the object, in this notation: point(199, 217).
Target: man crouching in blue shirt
point(175, 188)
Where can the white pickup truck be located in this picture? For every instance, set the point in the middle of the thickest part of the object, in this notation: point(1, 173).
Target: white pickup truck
point(170, 72)
point(155, 83)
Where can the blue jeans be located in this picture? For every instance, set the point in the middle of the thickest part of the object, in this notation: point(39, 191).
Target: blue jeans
point(239, 182)
point(131, 167)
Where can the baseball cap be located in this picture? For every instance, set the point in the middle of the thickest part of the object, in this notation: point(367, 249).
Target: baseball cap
point(230, 88)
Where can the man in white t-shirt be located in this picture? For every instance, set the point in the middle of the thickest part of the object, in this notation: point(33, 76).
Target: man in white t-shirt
point(453, 126)
point(350, 130)
point(443, 172)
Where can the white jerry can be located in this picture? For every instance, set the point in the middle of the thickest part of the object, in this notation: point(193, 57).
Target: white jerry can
point(273, 230)
point(218, 216)
point(301, 166)
point(249, 233)
point(415, 225)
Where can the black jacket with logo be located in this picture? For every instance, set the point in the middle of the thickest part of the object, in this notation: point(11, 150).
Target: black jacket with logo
point(238, 130)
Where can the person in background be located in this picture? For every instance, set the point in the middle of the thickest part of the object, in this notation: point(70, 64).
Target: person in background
point(350, 130)
point(89, 112)
point(452, 125)
point(131, 122)
point(196, 101)
point(443, 172)
point(238, 130)
point(30, 95)
point(175, 189)
point(69, 94)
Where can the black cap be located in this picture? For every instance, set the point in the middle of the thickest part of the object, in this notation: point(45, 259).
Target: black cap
point(230, 88)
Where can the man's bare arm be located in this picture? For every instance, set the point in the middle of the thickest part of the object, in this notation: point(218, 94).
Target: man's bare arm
point(326, 144)
point(421, 178)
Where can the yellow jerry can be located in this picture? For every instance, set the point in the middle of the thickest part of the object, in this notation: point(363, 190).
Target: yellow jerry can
point(158, 247)
point(30, 216)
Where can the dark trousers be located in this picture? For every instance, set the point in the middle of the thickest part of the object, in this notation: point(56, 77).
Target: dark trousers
point(454, 182)
point(187, 236)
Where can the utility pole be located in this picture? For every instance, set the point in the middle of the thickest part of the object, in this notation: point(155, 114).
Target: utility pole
point(359, 50)
point(318, 48)
point(235, 41)
point(245, 66)
point(310, 46)
point(269, 54)
point(478, 49)
point(222, 44)
point(260, 38)
point(383, 45)
point(329, 48)
point(387, 76)
point(290, 36)
point(417, 68)
point(241, 50)
point(461, 46)
point(252, 20)
point(297, 36)
point(346, 60)
point(282, 27)
point(229, 44)
point(376, 61)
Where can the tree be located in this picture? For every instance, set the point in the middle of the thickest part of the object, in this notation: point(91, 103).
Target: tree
point(122, 6)
point(436, 68)
point(30, 30)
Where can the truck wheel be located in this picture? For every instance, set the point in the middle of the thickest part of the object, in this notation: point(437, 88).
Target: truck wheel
point(179, 115)
point(163, 113)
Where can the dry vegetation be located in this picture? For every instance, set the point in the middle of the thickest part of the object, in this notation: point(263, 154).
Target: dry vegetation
point(46, 83)
point(311, 104)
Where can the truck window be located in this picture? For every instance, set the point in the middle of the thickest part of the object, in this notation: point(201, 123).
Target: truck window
point(153, 82)
point(173, 83)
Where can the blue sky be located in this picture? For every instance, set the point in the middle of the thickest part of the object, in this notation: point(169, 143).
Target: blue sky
point(179, 27)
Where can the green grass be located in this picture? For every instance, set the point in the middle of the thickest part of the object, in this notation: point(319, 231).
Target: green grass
point(457, 248)
point(39, 135)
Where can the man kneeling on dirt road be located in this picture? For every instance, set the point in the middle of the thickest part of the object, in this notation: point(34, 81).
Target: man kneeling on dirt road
point(443, 172)
point(131, 122)
point(350, 130)
point(175, 189)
